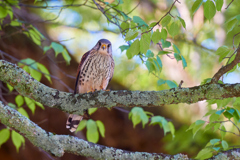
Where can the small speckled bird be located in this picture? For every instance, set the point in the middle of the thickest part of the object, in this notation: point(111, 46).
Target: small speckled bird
point(95, 71)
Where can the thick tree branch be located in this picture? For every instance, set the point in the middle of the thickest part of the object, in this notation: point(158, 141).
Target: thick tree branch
point(59, 144)
point(68, 102)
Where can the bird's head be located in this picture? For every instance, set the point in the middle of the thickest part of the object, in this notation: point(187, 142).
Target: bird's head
point(104, 46)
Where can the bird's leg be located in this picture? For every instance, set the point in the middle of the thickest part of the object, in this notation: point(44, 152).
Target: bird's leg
point(91, 90)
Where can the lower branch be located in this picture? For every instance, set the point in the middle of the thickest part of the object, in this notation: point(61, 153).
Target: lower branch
point(59, 144)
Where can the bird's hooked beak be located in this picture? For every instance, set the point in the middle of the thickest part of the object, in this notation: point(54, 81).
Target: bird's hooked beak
point(104, 46)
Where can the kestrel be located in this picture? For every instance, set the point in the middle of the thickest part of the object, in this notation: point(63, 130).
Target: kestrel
point(95, 71)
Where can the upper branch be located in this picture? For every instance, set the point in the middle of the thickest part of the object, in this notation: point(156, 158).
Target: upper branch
point(228, 67)
point(68, 102)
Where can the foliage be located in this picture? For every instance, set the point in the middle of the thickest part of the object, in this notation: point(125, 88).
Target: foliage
point(150, 40)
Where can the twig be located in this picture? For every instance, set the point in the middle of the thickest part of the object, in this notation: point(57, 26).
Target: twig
point(168, 12)
point(234, 38)
point(226, 68)
point(229, 4)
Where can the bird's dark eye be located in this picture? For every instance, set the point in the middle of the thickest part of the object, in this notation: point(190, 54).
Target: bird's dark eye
point(109, 45)
point(99, 43)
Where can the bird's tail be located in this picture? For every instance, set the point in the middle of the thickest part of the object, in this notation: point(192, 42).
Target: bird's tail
point(73, 121)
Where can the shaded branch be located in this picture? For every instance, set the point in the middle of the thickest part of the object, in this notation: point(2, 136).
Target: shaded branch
point(68, 102)
point(59, 144)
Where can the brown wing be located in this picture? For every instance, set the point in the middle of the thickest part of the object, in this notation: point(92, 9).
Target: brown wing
point(84, 57)
point(112, 69)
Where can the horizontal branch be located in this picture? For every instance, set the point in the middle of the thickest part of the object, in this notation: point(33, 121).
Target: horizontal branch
point(77, 103)
point(59, 144)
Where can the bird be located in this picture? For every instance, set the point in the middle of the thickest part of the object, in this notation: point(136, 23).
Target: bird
point(94, 73)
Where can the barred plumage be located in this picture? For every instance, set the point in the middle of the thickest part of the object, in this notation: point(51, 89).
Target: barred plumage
point(95, 71)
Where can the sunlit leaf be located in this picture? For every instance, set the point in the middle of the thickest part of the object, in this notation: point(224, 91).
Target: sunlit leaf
point(3, 12)
point(196, 5)
point(23, 112)
point(101, 128)
point(171, 84)
point(91, 110)
point(209, 9)
point(131, 34)
point(19, 100)
point(219, 4)
point(204, 154)
point(145, 42)
point(164, 34)
point(224, 145)
point(166, 20)
point(4, 134)
point(134, 49)
point(156, 37)
point(43, 69)
point(30, 103)
point(139, 21)
point(92, 132)
point(182, 22)
point(17, 139)
point(81, 125)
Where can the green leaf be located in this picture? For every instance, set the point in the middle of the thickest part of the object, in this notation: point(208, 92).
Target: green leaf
point(216, 127)
point(4, 134)
point(46, 48)
point(160, 82)
point(214, 117)
point(91, 110)
point(134, 49)
point(222, 52)
point(159, 61)
point(81, 125)
point(35, 74)
point(145, 42)
point(209, 126)
point(156, 37)
point(30, 103)
point(224, 145)
point(223, 131)
point(214, 141)
point(17, 139)
point(227, 115)
point(196, 5)
point(209, 9)
point(150, 66)
point(231, 24)
point(43, 69)
point(92, 132)
point(172, 129)
point(139, 21)
point(164, 34)
point(184, 63)
point(12, 105)
point(3, 12)
point(23, 112)
point(66, 56)
point(35, 37)
point(219, 4)
point(124, 47)
point(124, 25)
point(166, 20)
point(165, 44)
point(219, 112)
point(177, 56)
point(175, 48)
point(39, 104)
point(19, 100)
point(149, 54)
point(131, 34)
point(138, 115)
point(58, 48)
point(162, 123)
point(101, 128)
point(204, 154)
point(198, 125)
point(182, 22)
point(171, 84)
point(10, 88)
point(174, 29)
point(163, 52)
